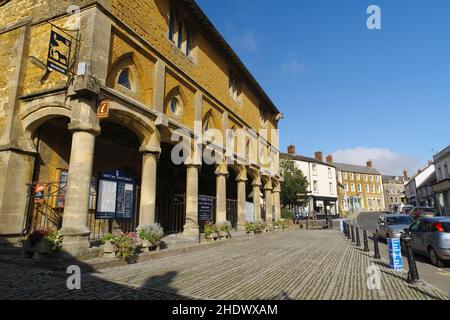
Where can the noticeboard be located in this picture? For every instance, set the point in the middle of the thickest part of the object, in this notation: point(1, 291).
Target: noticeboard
point(395, 254)
point(115, 196)
point(205, 208)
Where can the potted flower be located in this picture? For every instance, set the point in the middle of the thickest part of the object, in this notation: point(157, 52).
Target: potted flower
point(224, 229)
point(43, 242)
point(109, 247)
point(250, 228)
point(277, 225)
point(209, 230)
point(151, 236)
point(128, 247)
point(259, 226)
point(284, 224)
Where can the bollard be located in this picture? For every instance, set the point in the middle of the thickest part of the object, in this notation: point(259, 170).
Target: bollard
point(348, 232)
point(376, 248)
point(345, 228)
point(413, 273)
point(358, 240)
point(353, 234)
point(366, 241)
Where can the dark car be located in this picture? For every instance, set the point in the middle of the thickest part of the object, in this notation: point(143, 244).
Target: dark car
point(422, 212)
point(431, 237)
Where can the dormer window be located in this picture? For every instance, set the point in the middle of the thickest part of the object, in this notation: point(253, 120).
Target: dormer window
point(179, 33)
point(124, 79)
point(234, 87)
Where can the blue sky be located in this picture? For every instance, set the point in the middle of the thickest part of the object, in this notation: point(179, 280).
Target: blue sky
point(344, 89)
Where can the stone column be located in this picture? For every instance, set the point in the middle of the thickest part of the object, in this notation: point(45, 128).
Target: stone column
point(268, 199)
point(257, 200)
point(191, 228)
point(148, 188)
point(221, 194)
point(242, 195)
point(75, 230)
point(276, 201)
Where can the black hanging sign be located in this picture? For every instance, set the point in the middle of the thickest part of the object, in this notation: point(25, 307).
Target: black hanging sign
point(59, 52)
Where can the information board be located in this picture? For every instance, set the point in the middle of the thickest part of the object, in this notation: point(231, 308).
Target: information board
point(205, 208)
point(115, 196)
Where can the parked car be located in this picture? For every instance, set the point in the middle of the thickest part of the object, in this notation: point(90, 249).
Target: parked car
point(406, 209)
point(431, 237)
point(393, 225)
point(419, 212)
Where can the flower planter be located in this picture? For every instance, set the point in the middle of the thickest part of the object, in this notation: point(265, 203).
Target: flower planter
point(209, 237)
point(222, 234)
point(153, 247)
point(109, 250)
point(131, 259)
point(215, 236)
point(145, 244)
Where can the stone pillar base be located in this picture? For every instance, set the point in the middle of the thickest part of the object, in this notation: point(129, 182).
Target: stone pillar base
point(75, 242)
point(190, 232)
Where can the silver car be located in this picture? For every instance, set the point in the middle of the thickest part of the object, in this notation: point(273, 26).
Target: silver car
point(393, 225)
point(431, 237)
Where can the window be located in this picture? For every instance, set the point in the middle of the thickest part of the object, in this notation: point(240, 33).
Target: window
point(365, 177)
point(373, 189)
point(359, 187)
point(371, 178)
point(377, 178)
point(366, 187)
point(340, 176)
point(316, 186)
point(330, 173)
point(346, 186)
point(446, 173)
point(314, 169)
point(124, 78)
point(345, 175)
point(370, 202)
point(378, 188)
point(352, 187)
point(331, 188)
point(351, 176)
point(179, 33)
point(234, 87)
point(358, 177)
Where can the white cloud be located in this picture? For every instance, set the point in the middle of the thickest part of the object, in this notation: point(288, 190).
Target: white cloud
point(245, 42)
point(292, 64)
point(385, 161)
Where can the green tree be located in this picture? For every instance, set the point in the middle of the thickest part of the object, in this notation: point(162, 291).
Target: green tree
point(295, 185)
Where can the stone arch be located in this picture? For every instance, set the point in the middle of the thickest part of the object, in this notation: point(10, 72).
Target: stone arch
point(39, 112)
point(178, 94)
point(240, 171)
point(142, 126)
point(124, 62)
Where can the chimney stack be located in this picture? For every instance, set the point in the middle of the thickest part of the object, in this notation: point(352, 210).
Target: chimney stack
point(405, 174)
point(329, 159)
point(370, 164)
point(291, 149)
point(319, 156)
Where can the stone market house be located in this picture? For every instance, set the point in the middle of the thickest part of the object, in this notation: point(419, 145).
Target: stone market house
point(162, 66)
point(442, 186)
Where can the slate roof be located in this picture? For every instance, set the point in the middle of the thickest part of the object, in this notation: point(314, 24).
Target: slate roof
point(354, 168)
point(303, 158)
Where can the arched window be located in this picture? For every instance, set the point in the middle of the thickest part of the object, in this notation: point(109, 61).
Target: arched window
point(124, 78)
point(174, 105)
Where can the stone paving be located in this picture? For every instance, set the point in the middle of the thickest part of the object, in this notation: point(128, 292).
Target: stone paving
point(297, 264)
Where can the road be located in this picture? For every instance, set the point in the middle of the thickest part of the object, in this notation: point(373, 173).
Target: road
point(439, 277)
point(296, 264)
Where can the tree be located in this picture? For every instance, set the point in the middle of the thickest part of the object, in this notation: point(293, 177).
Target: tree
point(295, 185)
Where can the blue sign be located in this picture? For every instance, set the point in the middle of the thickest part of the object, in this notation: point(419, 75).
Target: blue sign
point(395, 254)
point(115, 196)
point(205, 208)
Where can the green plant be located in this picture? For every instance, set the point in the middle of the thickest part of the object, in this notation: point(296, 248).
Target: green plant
point(54, 240)
point(36, 236)
point(151, 232)
point(209, 229)
point(284, 224)
point(249, 227)
point(259, 226)
point(108, 237)
point(128, 246)
point(225, 227)
point(286, 214)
